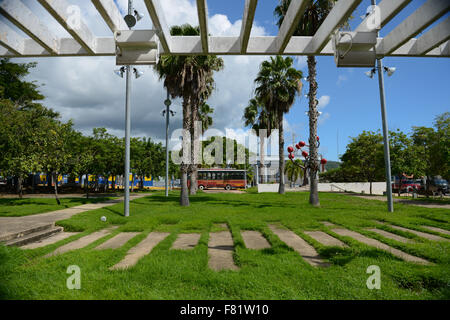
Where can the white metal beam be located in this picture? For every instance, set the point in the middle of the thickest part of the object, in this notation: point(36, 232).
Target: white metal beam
point(434, 37)
point(60, 10)
point(290, 23)
point(247, 23)
point(202, 11)
point(338, 15)
point(10, 39)
point(159, 23)
point(111, 14)
point(28, 22)
point(413, 25)
point(388, 10)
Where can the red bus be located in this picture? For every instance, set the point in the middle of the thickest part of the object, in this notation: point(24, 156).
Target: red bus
point(221, 178)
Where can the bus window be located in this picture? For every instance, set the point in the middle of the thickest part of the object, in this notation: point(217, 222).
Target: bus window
point(219, 175)
point(213, 176)
point(209, 175)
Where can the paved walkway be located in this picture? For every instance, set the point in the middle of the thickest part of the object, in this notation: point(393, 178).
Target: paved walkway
point(13, 225)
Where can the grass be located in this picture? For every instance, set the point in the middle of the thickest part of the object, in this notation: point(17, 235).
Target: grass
point(27, 206)
point(275, 273)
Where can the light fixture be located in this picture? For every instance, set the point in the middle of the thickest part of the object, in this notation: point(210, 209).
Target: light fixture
point(390, 70)
point(138, 15)
point(120, 72)
point(370, 73)
point(137, 73)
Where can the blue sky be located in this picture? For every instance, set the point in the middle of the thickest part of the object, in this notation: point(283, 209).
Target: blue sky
point(417, 92)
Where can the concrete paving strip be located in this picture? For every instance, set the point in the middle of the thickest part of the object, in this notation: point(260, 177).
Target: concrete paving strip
point(254, 240)
point(308, 253)
point(379, 245)
point(325, 239)
point(220, 251)
point(82, 242)
point(186, 241)
point(437, 230)
point(328, 224)
point(50, 240)
point(117, 241)
point(428, 236)
point(391, 235)
point(141, 249)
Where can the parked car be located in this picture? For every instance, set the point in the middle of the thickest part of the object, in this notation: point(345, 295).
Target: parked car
point(407, 186)
point(439, 185)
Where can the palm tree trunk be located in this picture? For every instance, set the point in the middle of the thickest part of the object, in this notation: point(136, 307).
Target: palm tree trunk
point(194, 159)
point(313, 163)
point(281, 151)
point(261, 154)
point(184, 195)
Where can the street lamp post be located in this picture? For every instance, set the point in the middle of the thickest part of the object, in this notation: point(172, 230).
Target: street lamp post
point(387, 158)
point(167, 102)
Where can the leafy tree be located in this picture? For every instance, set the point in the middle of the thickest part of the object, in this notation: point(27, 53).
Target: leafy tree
point(12, 84)
point(190, 78)
point(364, 156)
point(277, 85)
point(405, 157)
point(293, 170)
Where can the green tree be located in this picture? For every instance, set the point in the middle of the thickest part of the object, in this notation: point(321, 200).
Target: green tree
point(293, 170)
point(277, 85)
point(364, 157)
point(315, 13)
point(190, 78)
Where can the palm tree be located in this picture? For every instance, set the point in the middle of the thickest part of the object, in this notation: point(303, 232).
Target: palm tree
point(256, 116)
point(204, 112)
point(313, 17)
point(293, 170)
point(278, 84)
point(189, 78)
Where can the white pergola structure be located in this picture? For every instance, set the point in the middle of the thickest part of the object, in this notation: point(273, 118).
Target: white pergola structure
point(42, 43)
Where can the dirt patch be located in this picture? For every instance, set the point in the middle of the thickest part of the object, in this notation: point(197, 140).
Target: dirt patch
point(254, 240)
point(186, 241)
point(220, 251)
point(141, 249)
point(117, 241)
point(379, 245)
point(325, 239)
point(308, 253)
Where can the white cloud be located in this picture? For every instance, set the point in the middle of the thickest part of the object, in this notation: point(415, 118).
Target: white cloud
point(323, 118)
point(323, 102)
point(341, 79)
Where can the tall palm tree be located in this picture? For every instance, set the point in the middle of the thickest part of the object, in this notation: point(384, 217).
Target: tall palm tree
point(277, 85)
point(256, 116)
point(293, 170)
point(315, 14)
point(189, 78)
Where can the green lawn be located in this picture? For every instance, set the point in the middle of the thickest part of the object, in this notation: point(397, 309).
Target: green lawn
point(14, 207)
point(275, 273)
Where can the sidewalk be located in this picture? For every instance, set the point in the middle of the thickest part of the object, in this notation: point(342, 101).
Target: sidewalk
point(17, 224)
